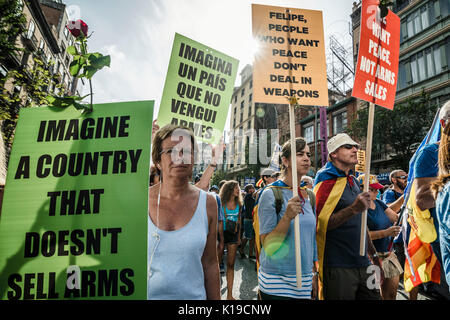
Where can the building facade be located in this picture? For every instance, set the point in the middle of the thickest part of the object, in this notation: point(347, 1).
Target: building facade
point(45, 38)
point(250, 124)
point(424, 59)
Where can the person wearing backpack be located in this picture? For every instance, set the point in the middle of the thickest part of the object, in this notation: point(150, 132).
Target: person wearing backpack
point(276, 211)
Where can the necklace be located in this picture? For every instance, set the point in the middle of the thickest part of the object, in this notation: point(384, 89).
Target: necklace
point(155, 234)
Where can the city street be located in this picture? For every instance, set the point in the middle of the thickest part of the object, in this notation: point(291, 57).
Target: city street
point(246, 283)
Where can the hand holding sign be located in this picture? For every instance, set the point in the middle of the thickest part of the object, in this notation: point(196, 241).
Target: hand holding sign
point(376, 74)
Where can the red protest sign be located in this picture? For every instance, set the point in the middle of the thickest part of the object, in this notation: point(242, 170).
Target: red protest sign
point(379, 46)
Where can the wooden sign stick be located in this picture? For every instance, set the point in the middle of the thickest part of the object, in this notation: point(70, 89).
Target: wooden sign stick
point(298, 260)
point(362, 247)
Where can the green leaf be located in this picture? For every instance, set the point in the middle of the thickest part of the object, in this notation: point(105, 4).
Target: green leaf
point(51, 99)
point(72, 50)
point(85, 108)
point(89, 72)
point(103, 61)
point(76, 65)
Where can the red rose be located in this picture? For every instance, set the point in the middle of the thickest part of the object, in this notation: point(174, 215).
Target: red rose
point(78, 28)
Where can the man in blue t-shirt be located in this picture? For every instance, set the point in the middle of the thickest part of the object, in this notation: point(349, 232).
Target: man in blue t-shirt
point(345, 272)
point(399, 179)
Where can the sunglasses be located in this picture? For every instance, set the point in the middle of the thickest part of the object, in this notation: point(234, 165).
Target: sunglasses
point(401, 177)
point(349, 146)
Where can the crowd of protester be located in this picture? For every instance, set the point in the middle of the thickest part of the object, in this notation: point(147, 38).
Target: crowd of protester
point(193, 224)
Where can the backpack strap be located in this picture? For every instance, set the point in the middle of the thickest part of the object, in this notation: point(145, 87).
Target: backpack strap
point(312, 199)
point(278, 199)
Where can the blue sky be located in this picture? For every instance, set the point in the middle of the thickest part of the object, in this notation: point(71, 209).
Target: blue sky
point(138, 34)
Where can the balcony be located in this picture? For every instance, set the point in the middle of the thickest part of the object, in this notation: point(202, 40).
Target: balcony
point(30, 41)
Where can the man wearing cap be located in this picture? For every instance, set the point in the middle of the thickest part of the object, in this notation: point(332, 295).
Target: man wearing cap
point(307, 181)
point(399, 179)
point(266, 178)
point(343, 272)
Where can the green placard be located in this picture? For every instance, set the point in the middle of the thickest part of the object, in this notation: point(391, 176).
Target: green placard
point(198, 89)
point(74, 217)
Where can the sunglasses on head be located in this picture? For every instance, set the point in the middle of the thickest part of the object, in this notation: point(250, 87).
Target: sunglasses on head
point(349, 146)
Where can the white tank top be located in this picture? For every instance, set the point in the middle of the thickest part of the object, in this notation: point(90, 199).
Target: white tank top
point(175, 271)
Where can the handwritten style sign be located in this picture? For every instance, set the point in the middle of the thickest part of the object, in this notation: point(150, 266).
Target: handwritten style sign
point(290, 61)
point(379, 46)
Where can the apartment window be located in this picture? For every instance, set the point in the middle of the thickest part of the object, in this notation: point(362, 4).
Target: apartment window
point(424, 17)
point(401, 83)
point(318, 129)
point(242, 91)
point(420, 19)
point(421, 66)
point(41, 45)
point(251, 84)
point(242, 105)
point(437, 58)
point(242, 116)
point(430, 62)
point(3, 71)
point(249, 110)
point(66, 32)
point(414, 71)
point(339, 122)
point(417, 25)
point(235, 108)
point(250, 98)
point(235, 98)
point(249, 124)
point(308, 133)
point(31, 28)
point(410, 26)
point(56, 66)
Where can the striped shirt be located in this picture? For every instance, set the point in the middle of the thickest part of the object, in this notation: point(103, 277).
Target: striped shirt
point(285, 285)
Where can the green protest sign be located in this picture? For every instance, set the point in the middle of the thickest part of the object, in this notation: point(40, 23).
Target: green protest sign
point(74, 217)
point(198, 89)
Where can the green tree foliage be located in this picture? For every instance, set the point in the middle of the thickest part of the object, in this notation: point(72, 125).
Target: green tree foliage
point(400, 130)
point(12, 23)
point(218, 176)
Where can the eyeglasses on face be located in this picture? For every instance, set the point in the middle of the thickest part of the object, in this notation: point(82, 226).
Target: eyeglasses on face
point(179, 151)
point(401, 177)
point(350, 146)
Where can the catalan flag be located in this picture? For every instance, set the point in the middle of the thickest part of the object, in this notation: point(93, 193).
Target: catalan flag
point(328, 188)
point(421, 264)
point(260, 183)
